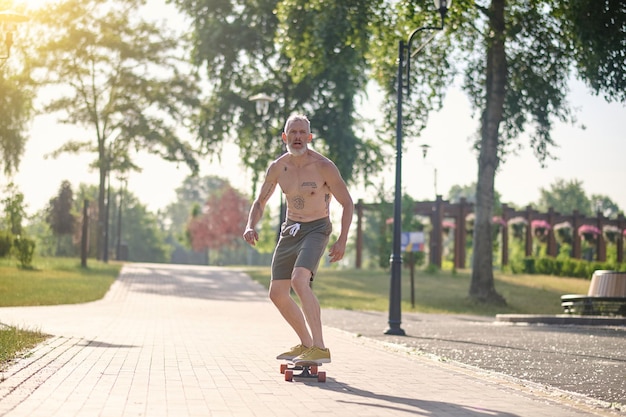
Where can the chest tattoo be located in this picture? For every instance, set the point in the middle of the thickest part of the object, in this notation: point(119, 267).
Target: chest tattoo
point(311, 184)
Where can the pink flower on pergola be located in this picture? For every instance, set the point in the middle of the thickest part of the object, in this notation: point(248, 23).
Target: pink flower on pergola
point(540, 224)
point(498, 220)
point(587, 229)
point(446, 224)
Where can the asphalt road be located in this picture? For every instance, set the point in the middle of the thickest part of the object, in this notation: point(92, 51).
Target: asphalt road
point(585, 360)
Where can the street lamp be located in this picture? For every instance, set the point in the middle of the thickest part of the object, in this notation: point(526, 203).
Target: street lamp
point(396, 257)
point(8, 21)
point(262, 102)
point(425, 147)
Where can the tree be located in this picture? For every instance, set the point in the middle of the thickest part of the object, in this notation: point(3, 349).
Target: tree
point(123, 78)
point(596, 31)
point(193, 192)
point(16, 96)
point(141, 231)
point(565, 197)
point(14, 210)
point(604, 205)
point(59, 214)
point(220, 222)
point(516, 58)
point(516, 61)
point(265, 47)
point(462, 191)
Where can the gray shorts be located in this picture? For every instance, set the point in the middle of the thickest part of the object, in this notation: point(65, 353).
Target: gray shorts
point(300, 244)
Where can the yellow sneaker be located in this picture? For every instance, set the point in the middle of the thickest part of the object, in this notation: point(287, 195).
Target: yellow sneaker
point(292, 353)
point(313, 354)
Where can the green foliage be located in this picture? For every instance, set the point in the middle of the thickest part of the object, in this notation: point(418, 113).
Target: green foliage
point(565, 197)
point(529, 266)
point(6, 243)
point(595, 30)
point(14, 209)
point(24, 249)
point(604, 205)
point(308, 55)
point(566, 267)
point(121, 76)
point(140, 232)
point(60, 217)
point(17, 92)
point(59, 211)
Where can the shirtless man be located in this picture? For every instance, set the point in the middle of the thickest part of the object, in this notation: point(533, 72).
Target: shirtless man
point(308, 180)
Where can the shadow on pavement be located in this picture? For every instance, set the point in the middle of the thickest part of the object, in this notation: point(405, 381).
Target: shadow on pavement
point(413, 405)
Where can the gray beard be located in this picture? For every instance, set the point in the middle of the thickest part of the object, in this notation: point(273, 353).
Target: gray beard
point(296, 152)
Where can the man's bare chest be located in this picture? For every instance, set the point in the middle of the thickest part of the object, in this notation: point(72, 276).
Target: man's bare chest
point(303, 181)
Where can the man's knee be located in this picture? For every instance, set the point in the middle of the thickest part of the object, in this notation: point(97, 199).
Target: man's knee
point(301, 279)
point(279, 290)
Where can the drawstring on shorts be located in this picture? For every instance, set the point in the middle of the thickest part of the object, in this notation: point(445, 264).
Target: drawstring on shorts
point(292, 229)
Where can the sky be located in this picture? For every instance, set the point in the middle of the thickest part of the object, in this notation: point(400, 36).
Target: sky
point(594, 155)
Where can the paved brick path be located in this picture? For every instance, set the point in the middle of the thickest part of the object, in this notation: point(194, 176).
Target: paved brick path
point(199, 341)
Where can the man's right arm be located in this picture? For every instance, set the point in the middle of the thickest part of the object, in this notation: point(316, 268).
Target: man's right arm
point(258, 205)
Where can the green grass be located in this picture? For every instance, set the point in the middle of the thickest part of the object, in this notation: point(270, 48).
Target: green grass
point(439, 292)
point(54, 281)
point(14, 341)
point(51, 281)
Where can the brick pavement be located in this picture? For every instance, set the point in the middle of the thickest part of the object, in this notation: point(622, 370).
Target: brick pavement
point(200, 341)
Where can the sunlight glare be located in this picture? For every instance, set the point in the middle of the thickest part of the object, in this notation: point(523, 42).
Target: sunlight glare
point(32, 4)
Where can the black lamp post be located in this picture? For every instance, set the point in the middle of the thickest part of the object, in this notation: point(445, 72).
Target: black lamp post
point(396, 257)
point(8, 21)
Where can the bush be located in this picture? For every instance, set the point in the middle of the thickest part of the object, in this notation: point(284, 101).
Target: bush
point(529, 266)
point(544, 266)
point(24, 249)
point(569, 267)
point(6, 242)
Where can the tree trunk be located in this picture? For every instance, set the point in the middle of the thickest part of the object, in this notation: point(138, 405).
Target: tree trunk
point(103, 164)
point(482, 286)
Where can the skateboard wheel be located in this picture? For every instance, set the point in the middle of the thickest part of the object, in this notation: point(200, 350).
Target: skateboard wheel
point(288, 375)
point(283, 368)
point(321, 376)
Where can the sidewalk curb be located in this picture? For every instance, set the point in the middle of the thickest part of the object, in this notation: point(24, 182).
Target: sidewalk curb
point(562, 319)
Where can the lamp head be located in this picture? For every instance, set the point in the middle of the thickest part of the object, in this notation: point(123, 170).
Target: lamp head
point(262, 102)
point(8, 20)
point(442, 6)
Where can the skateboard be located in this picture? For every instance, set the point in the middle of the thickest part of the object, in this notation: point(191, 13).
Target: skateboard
point(308, 370)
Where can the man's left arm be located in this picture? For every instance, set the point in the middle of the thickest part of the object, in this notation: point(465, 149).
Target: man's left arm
point(340, 191)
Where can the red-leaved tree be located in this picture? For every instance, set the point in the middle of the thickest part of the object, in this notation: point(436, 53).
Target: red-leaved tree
point(220, 222)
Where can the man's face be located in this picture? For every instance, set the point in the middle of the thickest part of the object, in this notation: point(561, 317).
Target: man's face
point(297, 137)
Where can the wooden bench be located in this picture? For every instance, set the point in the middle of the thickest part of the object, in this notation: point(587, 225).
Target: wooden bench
point(606, 296)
